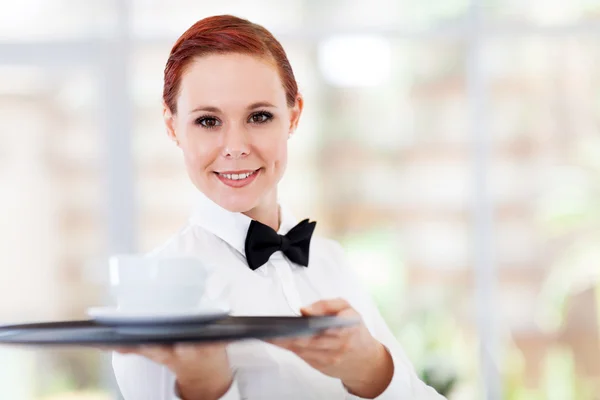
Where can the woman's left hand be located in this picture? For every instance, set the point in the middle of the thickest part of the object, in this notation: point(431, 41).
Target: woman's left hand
point(351, 354)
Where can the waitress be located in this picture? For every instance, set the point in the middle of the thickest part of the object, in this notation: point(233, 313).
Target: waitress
point(231, 103)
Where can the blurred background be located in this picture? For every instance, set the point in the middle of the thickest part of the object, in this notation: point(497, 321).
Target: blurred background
point(452, 146)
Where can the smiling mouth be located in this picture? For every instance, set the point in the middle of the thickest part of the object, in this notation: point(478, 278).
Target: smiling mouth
point(237, 179)
point(236, 176)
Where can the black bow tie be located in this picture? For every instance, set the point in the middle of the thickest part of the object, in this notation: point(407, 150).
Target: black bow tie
point(262, 241)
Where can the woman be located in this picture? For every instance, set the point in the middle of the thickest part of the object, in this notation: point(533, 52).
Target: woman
point(230, 104)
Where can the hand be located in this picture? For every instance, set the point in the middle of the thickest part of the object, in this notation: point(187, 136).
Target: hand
point(202, 370)
point(351, 354)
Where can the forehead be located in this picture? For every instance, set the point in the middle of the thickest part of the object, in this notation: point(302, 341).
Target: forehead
point(230, 80)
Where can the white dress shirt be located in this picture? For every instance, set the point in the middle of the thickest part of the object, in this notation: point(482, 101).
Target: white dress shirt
point(263, 371)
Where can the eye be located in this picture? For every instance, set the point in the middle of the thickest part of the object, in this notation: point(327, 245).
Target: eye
point(208, 122)
point(260, 117)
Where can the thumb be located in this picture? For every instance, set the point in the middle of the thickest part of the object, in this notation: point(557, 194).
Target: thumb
point(325, 307)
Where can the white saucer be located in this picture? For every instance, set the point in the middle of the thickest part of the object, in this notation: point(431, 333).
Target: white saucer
point(115, 317)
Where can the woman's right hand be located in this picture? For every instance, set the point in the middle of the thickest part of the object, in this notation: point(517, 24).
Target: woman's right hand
point(202, 370)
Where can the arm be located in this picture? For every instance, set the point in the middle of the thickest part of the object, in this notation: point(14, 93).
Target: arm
point(369, 366)
point(366, 358)
point(405, 384)
point(139, 378)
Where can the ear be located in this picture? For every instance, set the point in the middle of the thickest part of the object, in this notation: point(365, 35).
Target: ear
point(295, 113)
point(169, 119)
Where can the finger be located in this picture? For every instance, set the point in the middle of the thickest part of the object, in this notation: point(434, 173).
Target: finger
point(332, 331)
point(159, 354)
point(282, 343)
point(352, 316)
point(194, 351)
point(320, 358)
point(278, 342)
point(338, 332)
point(125, 350)
point(329, 335)
point(325, 307)
point(315, 342)
point(322, 343)
point(118, 349)
point(184, 351)
point(294, 344)
point(285, 341)
point(348, 313)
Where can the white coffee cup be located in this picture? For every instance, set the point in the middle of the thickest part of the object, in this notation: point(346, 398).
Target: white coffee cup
point(157, 284)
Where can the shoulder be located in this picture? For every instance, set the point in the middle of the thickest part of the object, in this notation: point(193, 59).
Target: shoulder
point(330, 257)
point(328, 252)
point(326, 246)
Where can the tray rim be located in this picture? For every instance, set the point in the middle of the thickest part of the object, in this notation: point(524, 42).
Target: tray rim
point(300, 326)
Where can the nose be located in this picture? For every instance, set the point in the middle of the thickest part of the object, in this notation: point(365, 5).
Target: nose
point(235, 143)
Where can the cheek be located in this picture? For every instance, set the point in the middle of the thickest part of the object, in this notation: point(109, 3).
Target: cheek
point(193, 158)
point(281, 157)
point(197, 155)
point(274, 151)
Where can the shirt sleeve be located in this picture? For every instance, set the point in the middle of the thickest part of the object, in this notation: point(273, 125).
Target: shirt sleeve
point(141, 379)
point(405, 383)
point(232, 394)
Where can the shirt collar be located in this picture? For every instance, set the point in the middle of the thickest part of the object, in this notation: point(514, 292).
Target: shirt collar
point(232, 227)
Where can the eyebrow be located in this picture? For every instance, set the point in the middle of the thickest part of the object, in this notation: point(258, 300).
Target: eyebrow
point(253, 106)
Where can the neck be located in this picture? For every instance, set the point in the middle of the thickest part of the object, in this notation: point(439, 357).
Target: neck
point(267, 212)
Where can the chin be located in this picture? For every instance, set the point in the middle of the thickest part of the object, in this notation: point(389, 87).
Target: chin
point(239, 204)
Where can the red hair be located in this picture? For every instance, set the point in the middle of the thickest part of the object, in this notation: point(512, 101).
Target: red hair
point(225, 34)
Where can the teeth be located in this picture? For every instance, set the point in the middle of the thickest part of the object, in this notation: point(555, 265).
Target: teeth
point(237, 177)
